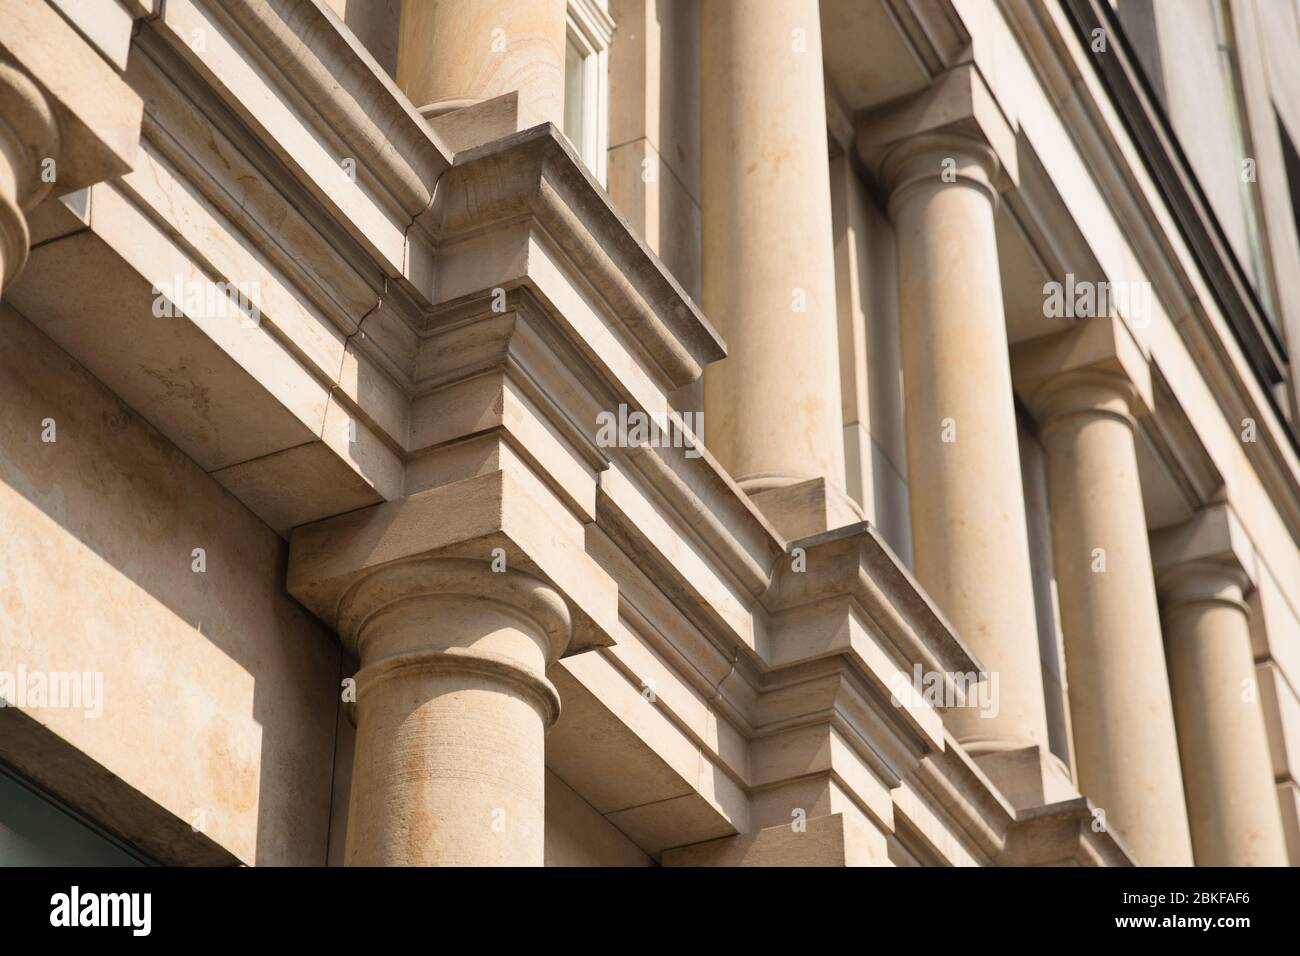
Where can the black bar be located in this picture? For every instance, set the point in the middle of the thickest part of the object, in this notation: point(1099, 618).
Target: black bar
point(658, 907)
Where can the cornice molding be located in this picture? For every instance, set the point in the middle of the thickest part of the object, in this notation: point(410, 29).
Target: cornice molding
point(535, 175)
point(1063, 834)
point(318, 62)
point(854, 562)
point(965, 796)
point(933, 29)
point(1173, 437)
point(179, 111)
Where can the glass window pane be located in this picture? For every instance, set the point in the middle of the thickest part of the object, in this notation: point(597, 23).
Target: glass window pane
point(35, 831)
point(573, 94)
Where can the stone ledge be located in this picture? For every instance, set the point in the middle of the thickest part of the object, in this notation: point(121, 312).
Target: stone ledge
point(534, 176)
point(831, 840)
point(1062, 834)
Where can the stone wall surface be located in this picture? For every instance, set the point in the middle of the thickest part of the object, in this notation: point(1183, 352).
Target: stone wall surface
point(218, 689)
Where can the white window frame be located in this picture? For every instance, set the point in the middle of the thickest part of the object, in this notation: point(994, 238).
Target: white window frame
point(591, 29)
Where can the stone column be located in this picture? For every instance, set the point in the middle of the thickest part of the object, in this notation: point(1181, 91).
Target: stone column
point(1227, 770)
point(969, 537)
point(1084, 388)
point(29, 134)
point(452, 705)
point(943, 156)
point(452, 54)
point(772, 407)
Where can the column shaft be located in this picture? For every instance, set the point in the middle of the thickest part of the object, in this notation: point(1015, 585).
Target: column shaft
point(772, 406)
point(969, 536)
point(452, 54)
point(1125, 747)
point(1227, 770)
point(451, 710)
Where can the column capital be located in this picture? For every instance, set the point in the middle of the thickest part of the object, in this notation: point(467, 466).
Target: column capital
point(943, 158)
point(400, 616)
point(69, 117)
point(1207, 558)
point(1096, 366)
point(28, 134)
point(956, 117)
point(96, 111)
point(391, 586)
point(468, 536)
point(451, 705)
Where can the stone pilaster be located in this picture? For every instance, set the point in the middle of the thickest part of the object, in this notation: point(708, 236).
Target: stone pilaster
point(943, 156)
point(1084, 388)
point(452, 54)
point(1202, 578)
point(772, 409)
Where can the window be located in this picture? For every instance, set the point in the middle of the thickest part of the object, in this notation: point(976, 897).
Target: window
point(37, 830)
point(1243, 152)
point(586, 82)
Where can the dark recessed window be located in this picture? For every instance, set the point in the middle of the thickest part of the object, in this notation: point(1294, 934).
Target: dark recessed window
point(38, 830)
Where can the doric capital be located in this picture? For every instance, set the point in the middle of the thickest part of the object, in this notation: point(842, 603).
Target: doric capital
point(29, 133)
point(1096, 366)
point(1207, 558)
point(395, 589)
point(67, 118)
point(461, 615)
point(955, 119)
point(938, 159)
point(96, 111)
point(489, 527)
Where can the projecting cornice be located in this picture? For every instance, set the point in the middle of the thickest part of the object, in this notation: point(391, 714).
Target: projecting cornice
point(1063, 834)
point(934, 30)
point(319, 64)
point(534, 176)
point(854, 562)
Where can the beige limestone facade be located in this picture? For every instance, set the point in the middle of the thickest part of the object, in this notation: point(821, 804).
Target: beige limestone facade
point(650, 432)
